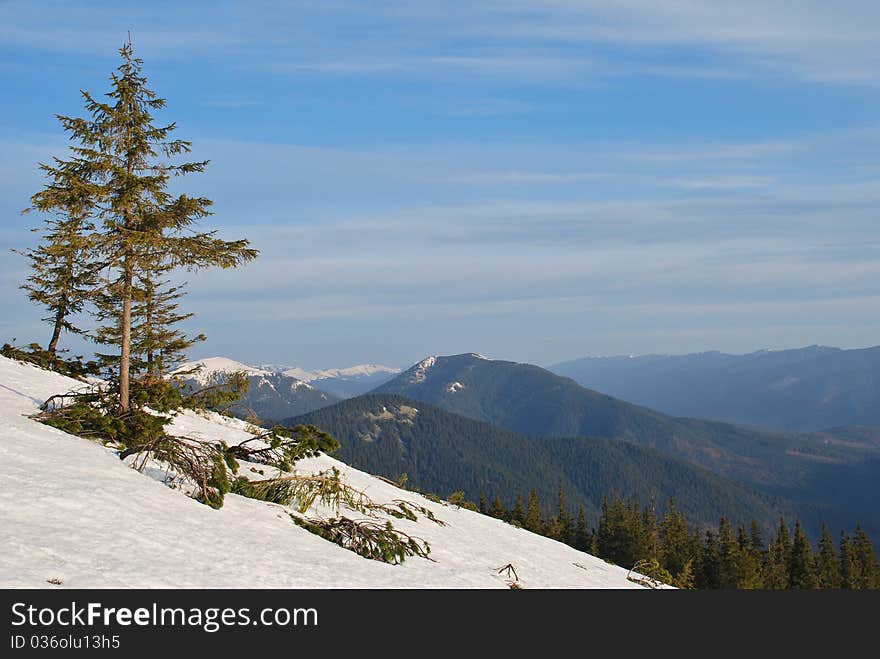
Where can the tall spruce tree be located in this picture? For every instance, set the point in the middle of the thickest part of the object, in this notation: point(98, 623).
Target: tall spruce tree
point(850, 572)
point(561, 526)
point(827, 561)
point(677, 547)
point(498, 509)
point(756, 538)
point(802, 566)
point(778, 559)
point(534, 520)
point(133, 159)
point(64, 273)
point(708, 573)
point(650, 537)
point(582, 536)
point(518, 513)
point(751, 560)
point(729, 557)
point(866, 560)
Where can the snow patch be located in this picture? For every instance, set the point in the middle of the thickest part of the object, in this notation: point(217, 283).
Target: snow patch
point(454, 386)
point(402, 413)
point(419, 373)
point(784, 383)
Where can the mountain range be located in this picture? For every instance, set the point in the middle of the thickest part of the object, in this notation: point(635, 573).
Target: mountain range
point(467, 422)
point(342, 382)
point(836, 469)
point(278, 391)
point(271, 396)
point(802, 389)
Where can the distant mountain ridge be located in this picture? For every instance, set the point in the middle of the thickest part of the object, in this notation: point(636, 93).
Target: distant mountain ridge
point(341, 382)
point(822, 468)
point(271, 396)
point(208, 369)
point(802, 389)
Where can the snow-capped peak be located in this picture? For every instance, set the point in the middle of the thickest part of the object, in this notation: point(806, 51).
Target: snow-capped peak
point(351, 372)
point(206, 368)
point(421, 368)
point(360, 370)
point(299, 374)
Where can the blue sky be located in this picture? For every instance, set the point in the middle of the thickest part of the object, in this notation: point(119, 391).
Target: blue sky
point(531, 180)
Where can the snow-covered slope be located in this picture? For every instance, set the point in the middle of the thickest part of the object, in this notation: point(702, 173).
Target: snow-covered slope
point(72, 511)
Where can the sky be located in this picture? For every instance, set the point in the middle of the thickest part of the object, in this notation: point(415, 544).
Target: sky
point(534, 180)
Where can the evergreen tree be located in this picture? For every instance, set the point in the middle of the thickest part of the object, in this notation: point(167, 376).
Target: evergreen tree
point(650, 537)
point(484, 506)
point(64, 273)
point(850, 572)
point(727, 553)
point(756, 538)
point(518, 514)
point(161, 343)
point(582, 539)
point(783, 539)
point(866, 559)
point(777, 565)
point(708, 573)
point(685, 578)
point(620, 537)
point(561, 526)
point(751, 559)
point(730, 557)
point(119, 146)
point(156, 342)
point(827, 562)
point(742, 537)
point(534, 521)
point(498, 510)
point(677, 547)
point(802, 566)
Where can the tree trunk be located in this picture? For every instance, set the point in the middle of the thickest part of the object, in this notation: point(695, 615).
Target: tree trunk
point(127, 272)
point(150, 336)
point(56, 332)
point(63, 304)
point(125, 353)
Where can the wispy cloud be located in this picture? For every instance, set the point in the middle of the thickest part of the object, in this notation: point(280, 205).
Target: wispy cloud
point(489, 107)
point(723, 182)
point(540, 40)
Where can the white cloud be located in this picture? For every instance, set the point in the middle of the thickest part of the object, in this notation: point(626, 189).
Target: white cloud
point(537, 40)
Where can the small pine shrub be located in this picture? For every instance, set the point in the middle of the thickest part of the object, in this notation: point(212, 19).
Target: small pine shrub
point(74, 367)
point(373, 540)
